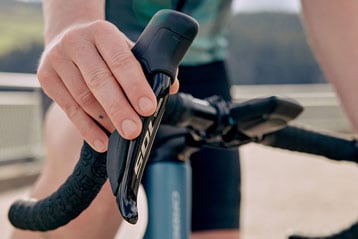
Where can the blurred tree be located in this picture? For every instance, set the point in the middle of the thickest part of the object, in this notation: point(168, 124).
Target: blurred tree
point(270, 48)
point(22, 60)
point(265, 48)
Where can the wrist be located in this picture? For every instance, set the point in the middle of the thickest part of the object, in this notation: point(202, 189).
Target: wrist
point(60, 16)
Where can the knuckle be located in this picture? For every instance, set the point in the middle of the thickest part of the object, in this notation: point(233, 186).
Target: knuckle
point(86, 130)
point(77, 116)
point(72, 36)
point(98, 78)
point(120, 60)
point(86, 99)
point(72, 111)
point(44, 76)
point(101, 27)
point(53, 56)
point(74, 41)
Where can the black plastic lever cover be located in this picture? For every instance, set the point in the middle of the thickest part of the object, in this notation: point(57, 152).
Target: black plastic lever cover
point(164, 42)
point(159, 49)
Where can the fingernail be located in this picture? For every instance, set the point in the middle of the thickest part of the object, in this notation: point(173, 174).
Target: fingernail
point(129, 127)
point(146, 105)
point(99, 145)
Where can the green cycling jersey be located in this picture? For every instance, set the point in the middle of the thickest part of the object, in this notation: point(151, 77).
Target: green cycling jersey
point(131, 16)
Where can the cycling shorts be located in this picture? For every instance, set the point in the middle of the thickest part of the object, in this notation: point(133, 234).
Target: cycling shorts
point(215, 172)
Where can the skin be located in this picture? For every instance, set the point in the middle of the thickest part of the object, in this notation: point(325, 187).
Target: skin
point(88, 69)
point(332, 29)
point(98, 221)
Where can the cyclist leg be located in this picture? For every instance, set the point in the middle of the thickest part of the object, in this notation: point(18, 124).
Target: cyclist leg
point(62, 145)
point(216, 194)
point(216, 173)
point(332, 45)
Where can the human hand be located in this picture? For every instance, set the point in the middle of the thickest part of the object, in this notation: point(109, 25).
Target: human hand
point(91, 73)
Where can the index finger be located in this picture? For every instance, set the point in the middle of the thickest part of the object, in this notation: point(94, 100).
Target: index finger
point(126, 69)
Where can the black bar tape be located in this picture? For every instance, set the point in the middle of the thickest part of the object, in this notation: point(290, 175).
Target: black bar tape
point(74, 196)
point(308, 141)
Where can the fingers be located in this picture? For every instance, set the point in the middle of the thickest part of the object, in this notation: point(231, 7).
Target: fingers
point(91, 73)
point(93, 134)
point(75, 84)
point(125, 69)
point(174, 87)
point(105, 88)
point(76, 76)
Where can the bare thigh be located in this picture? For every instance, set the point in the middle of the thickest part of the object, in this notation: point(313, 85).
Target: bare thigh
point(62, 145)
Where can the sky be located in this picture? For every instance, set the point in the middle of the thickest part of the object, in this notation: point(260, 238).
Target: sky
point(267, 5)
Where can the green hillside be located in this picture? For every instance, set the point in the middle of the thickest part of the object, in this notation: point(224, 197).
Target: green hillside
point(20, 25)
point(265, 48)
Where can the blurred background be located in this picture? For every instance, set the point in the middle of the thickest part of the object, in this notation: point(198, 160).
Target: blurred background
point(268, 55)
point(267, 47)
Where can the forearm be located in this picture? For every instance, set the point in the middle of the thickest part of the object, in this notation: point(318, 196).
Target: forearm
point(332, 29)
point(61, 14)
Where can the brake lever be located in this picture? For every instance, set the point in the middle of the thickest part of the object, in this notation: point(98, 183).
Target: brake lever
point(258, 117)
point(159, 49)
point(245, 122)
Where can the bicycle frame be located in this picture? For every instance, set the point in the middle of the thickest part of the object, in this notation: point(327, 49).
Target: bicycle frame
point(167, 183)
point(167, 186)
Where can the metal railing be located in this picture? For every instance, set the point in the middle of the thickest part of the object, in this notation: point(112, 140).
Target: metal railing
point(322, 108)
point(21, 111)
point(20, 118)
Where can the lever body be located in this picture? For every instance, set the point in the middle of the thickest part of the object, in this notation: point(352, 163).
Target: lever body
point(159, 49)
